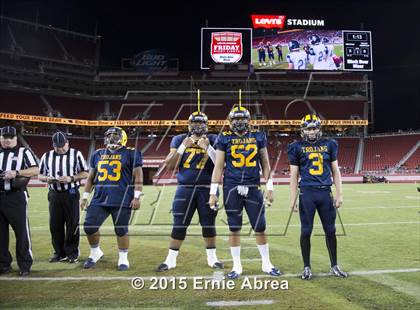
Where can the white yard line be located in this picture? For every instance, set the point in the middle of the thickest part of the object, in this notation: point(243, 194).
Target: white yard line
point(148, 278)
point(159, 227)
point(237, 303)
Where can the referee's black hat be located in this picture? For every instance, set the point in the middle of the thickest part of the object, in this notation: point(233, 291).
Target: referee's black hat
point(59, 139)
point(8, 131)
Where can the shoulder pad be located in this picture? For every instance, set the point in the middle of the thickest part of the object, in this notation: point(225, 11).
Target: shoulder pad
point(294, 143)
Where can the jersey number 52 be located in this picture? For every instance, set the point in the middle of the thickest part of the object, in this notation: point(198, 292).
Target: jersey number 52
point(240, 159)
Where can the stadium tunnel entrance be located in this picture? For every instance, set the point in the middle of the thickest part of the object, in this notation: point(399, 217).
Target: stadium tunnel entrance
point(148, 173)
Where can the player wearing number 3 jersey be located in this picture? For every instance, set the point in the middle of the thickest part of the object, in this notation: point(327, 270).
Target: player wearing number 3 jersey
point(116, 173)
point(243, 151)
point(315, 159)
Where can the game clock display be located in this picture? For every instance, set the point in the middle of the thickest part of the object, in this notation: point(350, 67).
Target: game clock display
point(357, 50)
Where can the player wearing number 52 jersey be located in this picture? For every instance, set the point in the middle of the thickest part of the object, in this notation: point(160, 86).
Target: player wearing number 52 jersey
point(192, 154)
point(116, 173)
point(315, 159)
point(240, 152)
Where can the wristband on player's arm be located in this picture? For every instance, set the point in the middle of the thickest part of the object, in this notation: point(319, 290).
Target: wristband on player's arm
point(212, 153)
point(213, 188)
point(85, 195)
point(138, 194)
point(181, 149)
point(269, 185)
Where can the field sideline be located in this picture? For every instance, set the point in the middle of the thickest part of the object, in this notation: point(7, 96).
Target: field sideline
point(378, 244)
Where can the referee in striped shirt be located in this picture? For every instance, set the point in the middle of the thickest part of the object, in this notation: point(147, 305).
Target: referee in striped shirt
point(17, 165)
point(63, 168)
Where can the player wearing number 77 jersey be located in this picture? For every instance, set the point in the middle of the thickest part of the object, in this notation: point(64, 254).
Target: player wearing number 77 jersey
point(116, 173)
point(192, 154)
point(243, 151)
point(315, 159)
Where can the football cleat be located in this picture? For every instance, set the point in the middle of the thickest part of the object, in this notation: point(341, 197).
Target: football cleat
point(162, 267)
point(73, 260)
point(122, 267)
point(197, 124)
point(336, 271)
point(233, 275)
point(239, 118)
point(57, 258)
point(89, 263)
point(218, 265)
point(274, 272)
point(306, 274)
point(24, 273)
point(115, 137)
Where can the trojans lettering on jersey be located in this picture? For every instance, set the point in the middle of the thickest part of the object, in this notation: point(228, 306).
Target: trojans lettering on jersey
point(314, 161)
point(242, 157)
point(114, 185)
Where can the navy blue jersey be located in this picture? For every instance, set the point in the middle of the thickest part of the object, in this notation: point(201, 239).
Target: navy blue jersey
point(195, 167)
point(242, 157)
point(114, 181)
point(314, 161)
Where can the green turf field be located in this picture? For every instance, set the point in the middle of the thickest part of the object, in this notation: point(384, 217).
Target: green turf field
point(338, 50)
point(381, 232)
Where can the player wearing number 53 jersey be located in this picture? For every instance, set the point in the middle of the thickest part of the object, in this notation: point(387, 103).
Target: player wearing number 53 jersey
point(315, 160)
point(193, 155)
point(116, 173)
point(243, 151)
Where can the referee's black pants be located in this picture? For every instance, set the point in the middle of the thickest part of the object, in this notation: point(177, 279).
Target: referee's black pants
point(64, 222)
point(14, 212)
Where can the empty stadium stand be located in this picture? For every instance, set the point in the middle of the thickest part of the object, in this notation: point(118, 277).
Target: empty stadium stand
point(382, 153)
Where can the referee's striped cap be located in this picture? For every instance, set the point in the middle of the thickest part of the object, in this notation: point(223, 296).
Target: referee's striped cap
point(59, 139)
point(8, 131)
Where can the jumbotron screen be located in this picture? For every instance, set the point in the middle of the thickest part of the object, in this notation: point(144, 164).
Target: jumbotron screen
point(299, 49)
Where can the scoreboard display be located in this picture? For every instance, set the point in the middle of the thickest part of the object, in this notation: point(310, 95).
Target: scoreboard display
point(357, 50)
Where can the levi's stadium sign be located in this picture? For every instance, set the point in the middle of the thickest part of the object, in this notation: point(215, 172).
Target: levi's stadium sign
point(268, 21)
point(280, 21)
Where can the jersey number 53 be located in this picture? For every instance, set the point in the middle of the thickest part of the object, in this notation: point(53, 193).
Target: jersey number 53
point(104, 173)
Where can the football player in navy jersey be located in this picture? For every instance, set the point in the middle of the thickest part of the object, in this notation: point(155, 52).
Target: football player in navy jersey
point(243, 151)
point(192, 154)
point(261, 54)
point(315, 159)
point(270, 53)
point(116, 174)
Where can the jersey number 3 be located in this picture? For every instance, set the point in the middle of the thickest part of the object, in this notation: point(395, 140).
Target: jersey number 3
point(317, 162)
point(116, 170)
point(241, 160)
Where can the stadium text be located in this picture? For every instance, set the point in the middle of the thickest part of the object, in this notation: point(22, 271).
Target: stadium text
point(305, 22)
